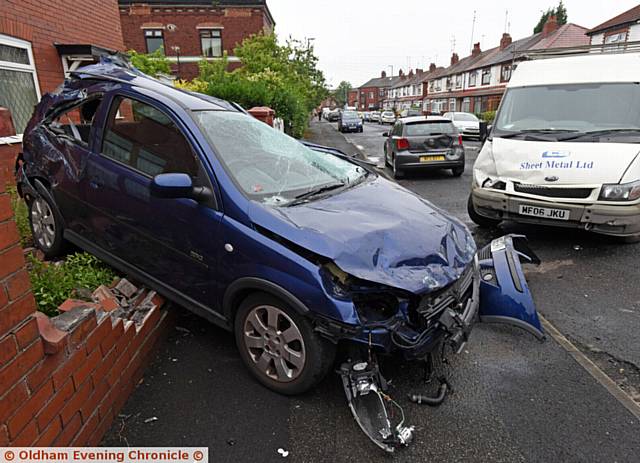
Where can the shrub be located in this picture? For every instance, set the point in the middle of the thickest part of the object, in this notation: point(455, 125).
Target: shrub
point(55, 282)
point(150, 63)
point(488, 116)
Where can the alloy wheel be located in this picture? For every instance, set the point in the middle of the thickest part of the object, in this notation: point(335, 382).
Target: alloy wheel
point(274, 343)
point(43, 222)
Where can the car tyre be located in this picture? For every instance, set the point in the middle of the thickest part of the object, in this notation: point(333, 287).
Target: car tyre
point(46, 227)
point(279, 346)
point(478, 219)
point(457, 171)
point(397, 173)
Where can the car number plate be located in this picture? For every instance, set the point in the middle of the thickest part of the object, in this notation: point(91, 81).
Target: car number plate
point(544, 212)
point(435, 157)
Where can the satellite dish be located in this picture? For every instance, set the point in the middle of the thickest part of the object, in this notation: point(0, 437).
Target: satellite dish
point(171, 27)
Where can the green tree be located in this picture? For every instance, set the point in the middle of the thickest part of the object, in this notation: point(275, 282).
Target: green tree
point(283, 77)
point(560, 12)
point(150, 63)
point(341, 93)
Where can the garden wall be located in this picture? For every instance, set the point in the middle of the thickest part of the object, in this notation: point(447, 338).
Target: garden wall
point(64, 379)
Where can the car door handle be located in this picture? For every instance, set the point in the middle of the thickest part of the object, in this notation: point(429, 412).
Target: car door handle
point(95, 184)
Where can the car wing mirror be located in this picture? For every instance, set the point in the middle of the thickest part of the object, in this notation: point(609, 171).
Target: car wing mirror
point(385, 134)
point(178, 185)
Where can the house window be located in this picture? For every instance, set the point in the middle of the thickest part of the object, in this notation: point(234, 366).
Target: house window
point(616, 38)
point(19, 90)
point(452, 104)
point(382, 92)
point(466, 105)
point(505, 73)
point(448, 83)
point(154, 40)
point(211, 42)
point(371, 95)
point(473, 75)
point(486, 76)
point(459, 81)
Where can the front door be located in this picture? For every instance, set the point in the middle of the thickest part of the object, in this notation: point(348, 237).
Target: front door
point(171, 240)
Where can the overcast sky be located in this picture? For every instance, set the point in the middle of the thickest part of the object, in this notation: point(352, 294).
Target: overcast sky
point(356, 39)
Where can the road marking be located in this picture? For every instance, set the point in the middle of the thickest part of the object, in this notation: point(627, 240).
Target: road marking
point(360, 147)
point(593, 369)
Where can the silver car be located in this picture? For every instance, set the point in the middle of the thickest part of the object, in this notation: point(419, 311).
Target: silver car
point(467, 124)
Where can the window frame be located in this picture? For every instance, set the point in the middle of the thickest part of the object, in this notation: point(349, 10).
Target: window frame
point(485, 72)
point(473, 78)
point(503, 68)
point(146, 39)
point(209, 30)
point(27, 68)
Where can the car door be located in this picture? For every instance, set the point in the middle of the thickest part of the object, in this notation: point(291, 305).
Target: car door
point(68, 142)
point(173, 241)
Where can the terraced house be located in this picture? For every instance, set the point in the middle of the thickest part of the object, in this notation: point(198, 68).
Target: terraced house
point(189, 31)
point(477, 82)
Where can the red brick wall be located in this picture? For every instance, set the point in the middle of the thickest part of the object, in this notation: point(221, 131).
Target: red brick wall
point(60, 388)
point(238, 23)
point(43, 22)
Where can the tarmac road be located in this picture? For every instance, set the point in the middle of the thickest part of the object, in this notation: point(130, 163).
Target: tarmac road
point(514, 399)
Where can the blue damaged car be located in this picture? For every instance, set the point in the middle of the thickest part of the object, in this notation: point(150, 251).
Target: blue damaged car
point(294, 247)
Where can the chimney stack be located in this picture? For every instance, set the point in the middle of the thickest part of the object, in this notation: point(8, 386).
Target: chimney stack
point(432, 67)
point(419, 71)
point(550, 26)
point(476, 49)
point(505, 41)
point(383, 74)
point(400, 73)
point(454, 59)
point(410, 73)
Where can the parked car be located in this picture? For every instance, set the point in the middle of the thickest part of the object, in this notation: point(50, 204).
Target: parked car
point(387, 117)
point(294, 247)
point(333, 115)
point(421, 142)
point(349, 121)
point(557, 156)
point(410, 112)
point(467, 124)
point(374, 116)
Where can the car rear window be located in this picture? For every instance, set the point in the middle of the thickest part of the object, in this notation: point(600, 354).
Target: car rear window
point(429, 128)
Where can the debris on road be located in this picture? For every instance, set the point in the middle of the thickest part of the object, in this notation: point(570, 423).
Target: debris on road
point(283, 452)
point(151, 419)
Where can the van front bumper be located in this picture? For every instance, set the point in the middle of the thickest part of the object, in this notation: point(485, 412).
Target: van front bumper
point(615, 220)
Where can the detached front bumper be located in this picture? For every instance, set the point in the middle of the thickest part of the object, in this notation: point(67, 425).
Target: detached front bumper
point(616, 220)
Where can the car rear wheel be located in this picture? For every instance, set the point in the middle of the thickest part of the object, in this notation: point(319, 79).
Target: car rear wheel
point(457, 171)
point(46, 227)
point(397, 173)
point(279, 347)
point(478, 219)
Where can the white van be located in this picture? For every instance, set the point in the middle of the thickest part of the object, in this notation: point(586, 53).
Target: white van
point(564, 147)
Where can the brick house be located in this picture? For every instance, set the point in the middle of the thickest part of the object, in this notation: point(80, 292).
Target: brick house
point(617, 30)
point(477, 82)
point(352, 97)
point(191, 30)
point(39, 41)
point(372, 93)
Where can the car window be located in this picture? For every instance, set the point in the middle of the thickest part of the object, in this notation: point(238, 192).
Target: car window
point(75, 123)
point(144, 138)
point(397, 129)
point(466, 117)
point(429, 128)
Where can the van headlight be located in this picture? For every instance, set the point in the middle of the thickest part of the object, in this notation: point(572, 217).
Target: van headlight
point(620, 192)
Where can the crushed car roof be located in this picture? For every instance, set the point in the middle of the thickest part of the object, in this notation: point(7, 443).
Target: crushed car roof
point(117, 69)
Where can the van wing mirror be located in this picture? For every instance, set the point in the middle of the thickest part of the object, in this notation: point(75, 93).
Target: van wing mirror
point(484, 130)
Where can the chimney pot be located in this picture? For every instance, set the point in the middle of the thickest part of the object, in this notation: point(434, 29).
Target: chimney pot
point(383, 74)
point(400, 73)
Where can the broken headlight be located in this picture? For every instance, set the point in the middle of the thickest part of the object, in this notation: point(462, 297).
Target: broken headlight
point(620, 192)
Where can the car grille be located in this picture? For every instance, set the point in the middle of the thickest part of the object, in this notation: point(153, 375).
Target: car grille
point(454, 296)
point(552, 192)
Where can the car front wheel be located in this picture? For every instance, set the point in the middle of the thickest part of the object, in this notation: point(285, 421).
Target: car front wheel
point(279, 346)
point(397, 173)
point(457, 171)
point(46, 227)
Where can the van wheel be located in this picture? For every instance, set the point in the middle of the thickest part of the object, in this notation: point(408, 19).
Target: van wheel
point(279, 346)
point(478, 219)
point(457, 171)
point(46, 227)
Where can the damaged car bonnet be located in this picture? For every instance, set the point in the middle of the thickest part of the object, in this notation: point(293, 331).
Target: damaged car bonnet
point(413, 247)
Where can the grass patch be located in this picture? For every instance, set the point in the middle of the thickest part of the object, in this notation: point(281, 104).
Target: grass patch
point(55, 282)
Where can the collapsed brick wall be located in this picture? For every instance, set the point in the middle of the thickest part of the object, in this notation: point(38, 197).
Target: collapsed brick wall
point(63, 380)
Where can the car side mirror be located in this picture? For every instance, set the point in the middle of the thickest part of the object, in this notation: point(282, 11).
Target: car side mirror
point(385, 134)
point(176, 185)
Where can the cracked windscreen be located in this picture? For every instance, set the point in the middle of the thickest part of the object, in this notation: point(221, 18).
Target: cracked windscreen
point(270, 166)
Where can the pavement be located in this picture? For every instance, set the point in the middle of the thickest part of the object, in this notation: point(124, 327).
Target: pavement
point(514, 399)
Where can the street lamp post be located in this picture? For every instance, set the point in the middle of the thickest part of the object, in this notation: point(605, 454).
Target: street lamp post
point(176, 49)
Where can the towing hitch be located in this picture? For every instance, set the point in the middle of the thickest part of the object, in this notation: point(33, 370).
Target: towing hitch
point(372, 408)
